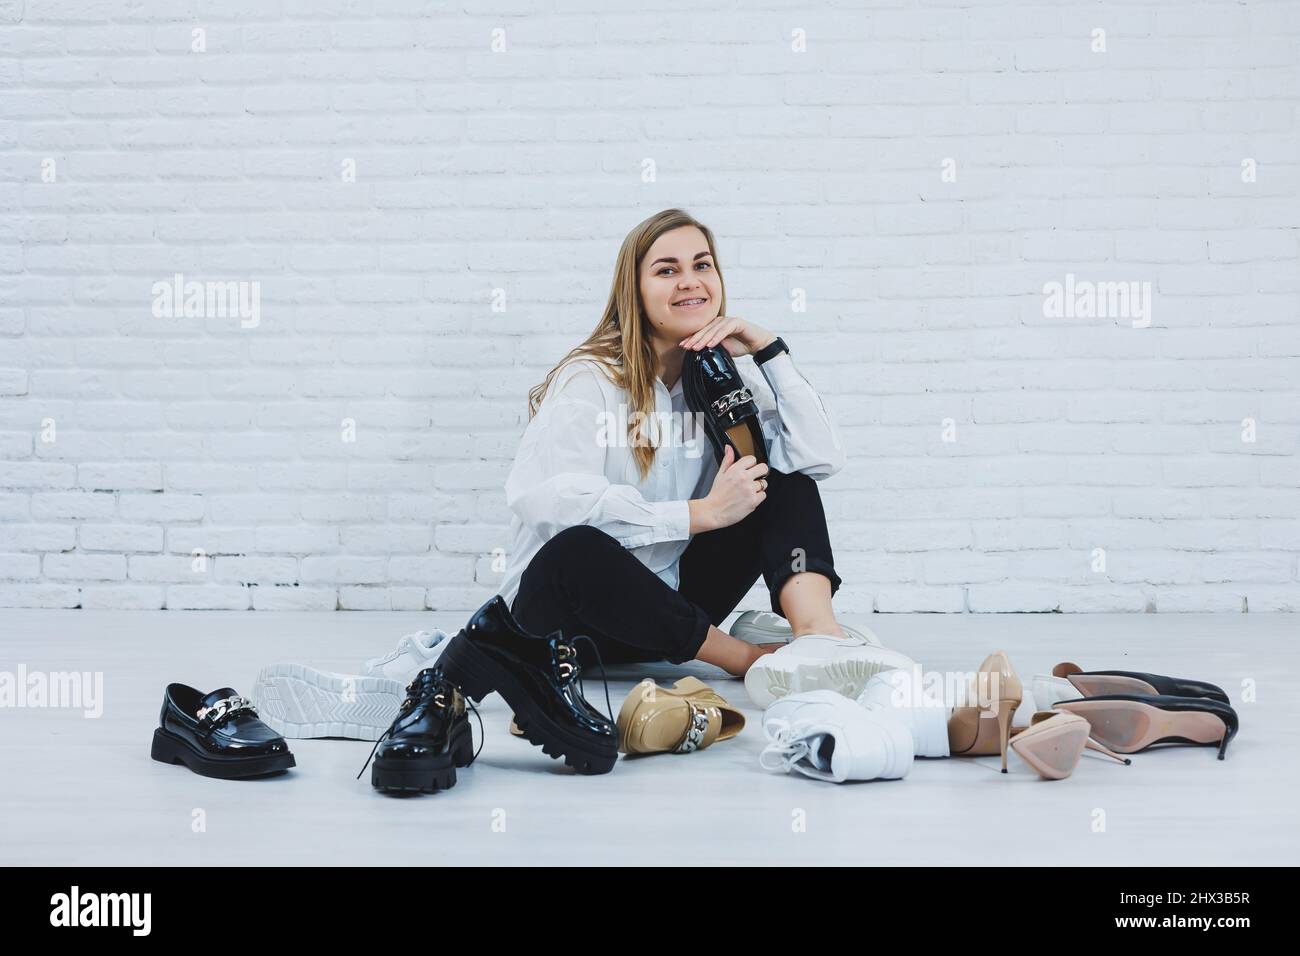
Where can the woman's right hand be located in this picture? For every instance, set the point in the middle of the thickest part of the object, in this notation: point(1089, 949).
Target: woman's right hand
point(738, 489)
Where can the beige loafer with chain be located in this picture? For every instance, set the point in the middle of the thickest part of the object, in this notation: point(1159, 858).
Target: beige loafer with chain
point(688, 716)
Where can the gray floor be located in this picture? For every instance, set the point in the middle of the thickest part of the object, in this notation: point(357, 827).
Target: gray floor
point(79, 791)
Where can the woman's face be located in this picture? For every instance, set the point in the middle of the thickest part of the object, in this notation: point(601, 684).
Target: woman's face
point(680, 289)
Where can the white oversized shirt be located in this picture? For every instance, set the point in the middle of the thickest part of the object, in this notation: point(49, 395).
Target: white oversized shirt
point(575, 464)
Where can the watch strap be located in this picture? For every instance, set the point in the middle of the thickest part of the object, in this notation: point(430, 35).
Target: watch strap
point(772, 351)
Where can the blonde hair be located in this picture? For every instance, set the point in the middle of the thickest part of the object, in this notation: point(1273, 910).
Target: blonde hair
point(620, 343)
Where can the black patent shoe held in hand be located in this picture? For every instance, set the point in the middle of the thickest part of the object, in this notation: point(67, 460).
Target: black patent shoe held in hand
point(539, 679)
point(1129, 723)
point(714, 390)
point(217, 735)
point(427, 741)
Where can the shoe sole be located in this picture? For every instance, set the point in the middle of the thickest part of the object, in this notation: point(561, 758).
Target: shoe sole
point(479, 675)
point(1128, 727)
point(1054, 752)
point(424, 774)
point(771, 678)
point(300, 702)
point(170, 749)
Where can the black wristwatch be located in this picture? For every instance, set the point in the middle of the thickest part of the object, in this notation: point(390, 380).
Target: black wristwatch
point(772, 351)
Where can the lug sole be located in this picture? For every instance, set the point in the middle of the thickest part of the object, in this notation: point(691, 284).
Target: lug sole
point(478, 675)
point(300, 702)
point(424, 774)
point(170, 749)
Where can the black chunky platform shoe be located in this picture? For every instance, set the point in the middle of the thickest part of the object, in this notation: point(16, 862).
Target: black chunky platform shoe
point(713, 389)
point(428, 740)
point(217, 735)
point(538, 677)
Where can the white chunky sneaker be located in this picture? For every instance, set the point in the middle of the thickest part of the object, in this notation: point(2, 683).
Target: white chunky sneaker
point(826, 736)
point(413, 653)
point(298, 701)
point(819, 662)
point(923, 711)
point(765, 627)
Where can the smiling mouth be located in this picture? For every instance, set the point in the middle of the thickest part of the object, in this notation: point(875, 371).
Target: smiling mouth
point(687, 303)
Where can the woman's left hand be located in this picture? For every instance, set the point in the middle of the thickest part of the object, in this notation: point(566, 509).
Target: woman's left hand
point(737, 336)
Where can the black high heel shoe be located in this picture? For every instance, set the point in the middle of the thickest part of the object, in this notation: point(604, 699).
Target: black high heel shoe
point(1098, 683)
point(1127, 723)
point(713, 389)
point(539, 678)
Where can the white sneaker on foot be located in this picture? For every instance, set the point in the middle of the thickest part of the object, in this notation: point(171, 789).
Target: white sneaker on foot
point(297, 701)
point(924, 712)
point(826, 736)
point(766, 627)
point(819, 662)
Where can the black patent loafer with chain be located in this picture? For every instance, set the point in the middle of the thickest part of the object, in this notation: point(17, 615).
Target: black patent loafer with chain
point(427, 741)
point(714, 390)
point(217, 735)
point(539, 679)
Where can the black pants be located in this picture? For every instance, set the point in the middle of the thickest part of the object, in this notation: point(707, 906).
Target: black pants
point(582, 581)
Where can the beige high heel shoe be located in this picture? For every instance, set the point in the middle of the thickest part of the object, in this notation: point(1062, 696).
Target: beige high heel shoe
point(973, 731)
point(1053, 743)
point(688, 716)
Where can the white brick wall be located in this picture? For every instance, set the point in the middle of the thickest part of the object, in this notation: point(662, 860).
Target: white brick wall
point(520, 170)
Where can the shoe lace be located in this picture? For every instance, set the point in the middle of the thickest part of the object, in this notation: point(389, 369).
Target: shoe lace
point(570, 668)
point(428, 683)
point(787, 745)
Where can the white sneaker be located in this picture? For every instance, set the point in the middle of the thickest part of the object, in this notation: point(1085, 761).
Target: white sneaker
point(298, 701)
point(413, 653)
point(765, 627)
point(819, 662)
point(923, 711)
point(826, 736)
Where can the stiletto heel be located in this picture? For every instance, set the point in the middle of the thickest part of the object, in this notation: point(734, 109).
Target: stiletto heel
point(1005, 709)
point(1129, 723)
point(1054, 742)
point(970, 732)
point(1094, 745)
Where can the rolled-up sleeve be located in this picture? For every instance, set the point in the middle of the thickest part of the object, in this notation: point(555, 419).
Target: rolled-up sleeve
point(558, 478)
point(800, 432)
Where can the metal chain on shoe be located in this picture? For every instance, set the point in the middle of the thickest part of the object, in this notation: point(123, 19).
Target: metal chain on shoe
point(222, 710)
point(729, 401)
point(695, 729)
